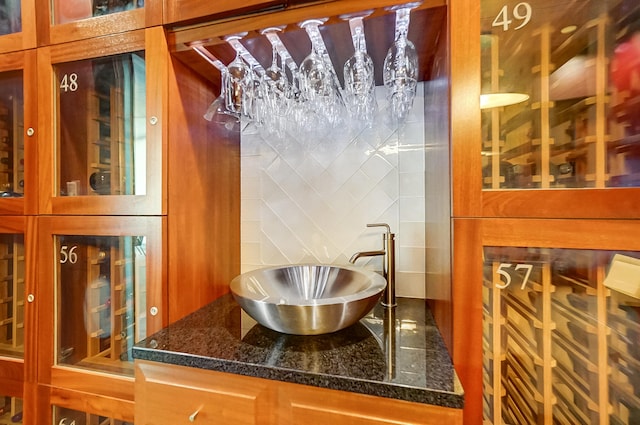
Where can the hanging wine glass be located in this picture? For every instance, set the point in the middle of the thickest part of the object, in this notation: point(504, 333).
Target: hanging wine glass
point(240, 83)
point(274, 92)
point(294, 116)
point(319, 83)
point(359, 82)
point(400, 69)
point(217, 111)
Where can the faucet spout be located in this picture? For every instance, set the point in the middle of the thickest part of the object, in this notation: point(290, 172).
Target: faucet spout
point(388, 252)
point(357, 255)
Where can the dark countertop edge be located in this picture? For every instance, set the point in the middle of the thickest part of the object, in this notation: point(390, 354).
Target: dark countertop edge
point(353, 385)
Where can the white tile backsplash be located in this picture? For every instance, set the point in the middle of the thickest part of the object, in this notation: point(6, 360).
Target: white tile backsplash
point(309, 201)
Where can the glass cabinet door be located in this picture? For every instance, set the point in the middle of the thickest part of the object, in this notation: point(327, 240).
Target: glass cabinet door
point(101, 147)
point(18, 135)
point(10, 17)
point(10, 410)
point(65, 416)
point(68, 11)
point(560, 336)
point(107, 150)
point(12, 152)
point(560, 94)
point(74, 20)
point(100, 291)
point(12, 295)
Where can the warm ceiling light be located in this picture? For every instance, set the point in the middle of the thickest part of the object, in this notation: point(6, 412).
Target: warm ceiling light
point(569, 29)
point(496, 100)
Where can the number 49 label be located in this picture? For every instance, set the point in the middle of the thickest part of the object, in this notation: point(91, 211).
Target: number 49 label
point(521, 12)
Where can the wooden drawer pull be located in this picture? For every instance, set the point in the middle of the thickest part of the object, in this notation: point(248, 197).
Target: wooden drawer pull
point(192, 417)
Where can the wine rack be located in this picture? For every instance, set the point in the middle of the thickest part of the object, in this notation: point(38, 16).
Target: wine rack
point(10, 410)
point(12, 267)
point(103, 154)
point(11, 141)
point(559, 346)
point(102, 311)
point(67, 416)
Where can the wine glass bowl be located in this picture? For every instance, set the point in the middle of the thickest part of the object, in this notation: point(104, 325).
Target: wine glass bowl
point(358, 73)
point(400, 68)
point(320, 90)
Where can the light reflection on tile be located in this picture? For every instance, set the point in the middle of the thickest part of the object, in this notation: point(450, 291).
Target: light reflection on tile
point(315, 199)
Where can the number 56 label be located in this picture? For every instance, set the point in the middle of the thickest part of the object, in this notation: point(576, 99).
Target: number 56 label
point(505, 276)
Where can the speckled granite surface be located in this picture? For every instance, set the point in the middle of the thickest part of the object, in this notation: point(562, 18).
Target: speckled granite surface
point(409, 363)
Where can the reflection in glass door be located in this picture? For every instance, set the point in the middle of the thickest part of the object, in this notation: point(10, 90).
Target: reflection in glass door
point(560, 336)
point(576, 68)
point(101, 147)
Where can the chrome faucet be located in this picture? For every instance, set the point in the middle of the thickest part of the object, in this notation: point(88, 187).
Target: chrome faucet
point(388, 252)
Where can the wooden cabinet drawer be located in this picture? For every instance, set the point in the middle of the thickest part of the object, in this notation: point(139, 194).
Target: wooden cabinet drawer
point(169, 394)
point(179, 395)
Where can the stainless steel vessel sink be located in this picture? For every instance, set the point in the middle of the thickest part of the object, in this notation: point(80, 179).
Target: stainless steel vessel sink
point(307, 299)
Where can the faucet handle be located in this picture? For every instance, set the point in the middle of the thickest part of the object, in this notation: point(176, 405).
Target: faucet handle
point(385, 225)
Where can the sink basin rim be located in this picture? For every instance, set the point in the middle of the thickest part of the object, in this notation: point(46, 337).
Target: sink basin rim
point(375, 287)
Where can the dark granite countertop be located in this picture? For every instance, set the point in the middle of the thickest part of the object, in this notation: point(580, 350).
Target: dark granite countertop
point(410, 364)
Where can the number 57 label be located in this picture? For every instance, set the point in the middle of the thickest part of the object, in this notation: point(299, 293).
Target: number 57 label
point(505, 276)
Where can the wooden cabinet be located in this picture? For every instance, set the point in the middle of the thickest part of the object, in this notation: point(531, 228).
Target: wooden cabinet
point(108, 152)
point(556, 174)
point(103, 293)
point(177, 394)
point(93, 78)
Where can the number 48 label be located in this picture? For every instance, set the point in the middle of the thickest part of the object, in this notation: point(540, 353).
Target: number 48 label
point(69, 82)
point(521, 12)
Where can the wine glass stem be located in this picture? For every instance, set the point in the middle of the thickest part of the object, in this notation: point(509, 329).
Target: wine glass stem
point(357, 34)
point(321, 50)
point(402, 23)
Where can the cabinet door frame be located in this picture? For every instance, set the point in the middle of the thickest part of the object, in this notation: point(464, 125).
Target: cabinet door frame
point(48, 33)
point(25, 61)
point(153, 43)
point(471, 235)
point(72, 379)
